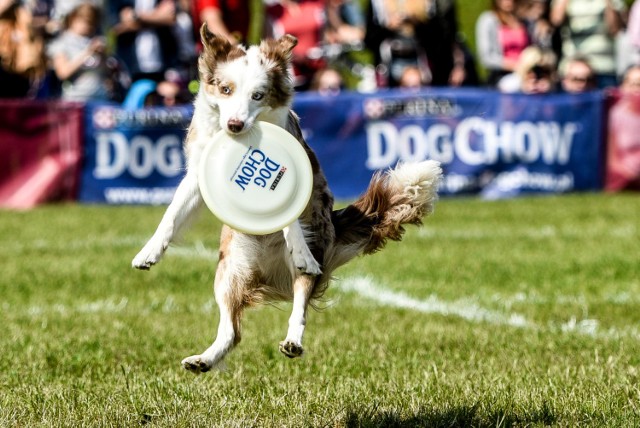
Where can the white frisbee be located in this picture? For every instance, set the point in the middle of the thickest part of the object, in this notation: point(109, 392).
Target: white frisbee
point(257, 182)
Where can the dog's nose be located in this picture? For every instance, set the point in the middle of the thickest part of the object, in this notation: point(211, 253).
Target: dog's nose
point(235, 125)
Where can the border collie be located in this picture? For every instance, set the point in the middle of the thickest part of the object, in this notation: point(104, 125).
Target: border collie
point(239, 86)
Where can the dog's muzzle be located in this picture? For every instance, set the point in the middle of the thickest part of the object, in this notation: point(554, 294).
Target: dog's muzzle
point(235, 125)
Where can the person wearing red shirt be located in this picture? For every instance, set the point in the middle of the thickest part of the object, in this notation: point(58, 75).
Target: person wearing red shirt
point(228, 18)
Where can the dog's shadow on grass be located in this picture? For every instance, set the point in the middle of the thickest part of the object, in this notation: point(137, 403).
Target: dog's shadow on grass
point(464, 416)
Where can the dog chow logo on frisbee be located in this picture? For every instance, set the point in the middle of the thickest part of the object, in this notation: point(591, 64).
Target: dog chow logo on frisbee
point(257, 168)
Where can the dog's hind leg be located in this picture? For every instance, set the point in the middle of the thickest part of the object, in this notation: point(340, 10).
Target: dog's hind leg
point(230, 303)
point(291, 346)
point(303, 260)
point(185, 203)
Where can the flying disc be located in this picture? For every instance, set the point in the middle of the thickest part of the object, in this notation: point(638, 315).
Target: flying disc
point(257, 182)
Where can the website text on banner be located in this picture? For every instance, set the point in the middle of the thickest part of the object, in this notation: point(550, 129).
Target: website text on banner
point(40, 152)
point(489, 144)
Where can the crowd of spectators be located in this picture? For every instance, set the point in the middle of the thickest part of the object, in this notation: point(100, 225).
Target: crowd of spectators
point(142, 52)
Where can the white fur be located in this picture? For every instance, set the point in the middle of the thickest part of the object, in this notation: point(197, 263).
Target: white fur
point(211, 114)
point(249, 75)
point(419, 180)
point(278, 266)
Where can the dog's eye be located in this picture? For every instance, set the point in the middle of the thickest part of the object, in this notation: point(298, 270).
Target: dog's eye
point(226, 90)
point(257, 96)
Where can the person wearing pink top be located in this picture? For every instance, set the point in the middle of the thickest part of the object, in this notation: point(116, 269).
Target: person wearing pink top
point(500, 39)
point(623, 148)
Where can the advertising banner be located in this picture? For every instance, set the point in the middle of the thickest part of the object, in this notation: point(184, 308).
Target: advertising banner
point(490, 144)
point(133, 156)
point(40, 152)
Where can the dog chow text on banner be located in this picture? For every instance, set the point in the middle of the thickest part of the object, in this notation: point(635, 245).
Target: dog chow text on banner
point(491, 144)
point(133, 156)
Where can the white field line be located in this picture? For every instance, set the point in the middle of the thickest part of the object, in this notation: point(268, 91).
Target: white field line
point(198, 251)
point(362, 286)
point(74, 245)
point(365, 287)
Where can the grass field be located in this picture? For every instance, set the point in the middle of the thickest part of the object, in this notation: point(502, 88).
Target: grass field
point(523, 312)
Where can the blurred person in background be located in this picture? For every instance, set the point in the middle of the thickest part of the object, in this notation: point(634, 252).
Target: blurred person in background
point(22, 59)
point(623, 148)
point(535, 73)
point(145, 38)
point(41, 12)
point(422, 34)
point(327, 81)
point(578, 75)
point(344, 22)
point(535, 15)
point(632, 53)
point(185, 39)
point(450, 61)
point(306, 20)
point(589, 28)
point(501, 36)
point(411, 78)
point(227, 18)
point(392, 35)
point(78, 56)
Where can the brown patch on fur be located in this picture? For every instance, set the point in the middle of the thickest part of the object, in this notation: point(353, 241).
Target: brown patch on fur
point(377, 216)
point(242, 293)
point(317, 214)
point(278, 52)
point(230, 87)
point(293, 127)
point(216, 49)
point(225, 241)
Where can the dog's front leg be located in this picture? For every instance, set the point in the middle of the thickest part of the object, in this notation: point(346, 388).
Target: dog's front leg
point(303, 260)
point(185, 203)
point(302, 291)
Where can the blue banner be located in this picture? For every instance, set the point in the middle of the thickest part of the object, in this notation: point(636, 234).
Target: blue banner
point(133, 156)
point(490, 144)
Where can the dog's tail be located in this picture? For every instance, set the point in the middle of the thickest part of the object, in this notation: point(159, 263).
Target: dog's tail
point(397, 197)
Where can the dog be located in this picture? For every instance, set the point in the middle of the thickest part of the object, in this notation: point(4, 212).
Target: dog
point(239, 86)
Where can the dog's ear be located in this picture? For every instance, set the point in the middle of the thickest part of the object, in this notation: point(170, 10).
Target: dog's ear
point(287, 43)
point(216, 49)
point(279, 50)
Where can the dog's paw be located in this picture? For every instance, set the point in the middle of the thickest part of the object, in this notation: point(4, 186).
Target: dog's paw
point(197, 364)
point(305, 263)
point(290, 349)
point(148, 256)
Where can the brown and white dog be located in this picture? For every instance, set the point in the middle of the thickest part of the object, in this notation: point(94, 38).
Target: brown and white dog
point(239, 86)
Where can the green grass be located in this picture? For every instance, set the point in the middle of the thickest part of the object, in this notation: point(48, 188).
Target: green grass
point(522, 313)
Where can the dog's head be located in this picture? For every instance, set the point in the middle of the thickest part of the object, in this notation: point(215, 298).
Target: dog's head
point(245, 82)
